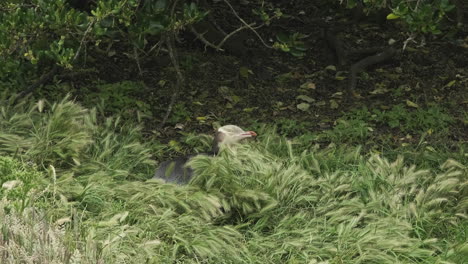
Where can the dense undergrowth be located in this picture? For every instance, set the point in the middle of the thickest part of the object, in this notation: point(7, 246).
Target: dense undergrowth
point(76, 188)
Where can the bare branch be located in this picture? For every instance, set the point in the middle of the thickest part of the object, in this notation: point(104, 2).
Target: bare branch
point(88, 29)
point(204, 40)
point(247, 25)
point(221, 43)
point(169, 40)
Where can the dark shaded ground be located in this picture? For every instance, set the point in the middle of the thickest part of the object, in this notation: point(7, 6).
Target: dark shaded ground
point(262, 85)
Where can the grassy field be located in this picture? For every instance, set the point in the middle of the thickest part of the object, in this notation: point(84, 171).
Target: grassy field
point(76, 188)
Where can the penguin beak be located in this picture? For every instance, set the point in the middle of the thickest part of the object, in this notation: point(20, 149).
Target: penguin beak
point(250, 133)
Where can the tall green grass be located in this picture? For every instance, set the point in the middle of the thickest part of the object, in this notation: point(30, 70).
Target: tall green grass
point(269, 201)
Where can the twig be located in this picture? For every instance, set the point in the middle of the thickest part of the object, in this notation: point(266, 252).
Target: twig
point(169, 39)
point(247, 25)
point(221, 43)
point(135, 55)
point(234, 32)
point(155, 46)
point(204, 40)
point(179, 78)
point(409, 39)
point(83, 40)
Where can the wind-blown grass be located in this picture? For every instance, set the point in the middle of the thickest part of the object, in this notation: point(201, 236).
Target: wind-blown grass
point(269, 201)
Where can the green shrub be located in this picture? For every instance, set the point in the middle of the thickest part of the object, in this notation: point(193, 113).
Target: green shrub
point(424, 17)
point(44, 33)
point(18, 180)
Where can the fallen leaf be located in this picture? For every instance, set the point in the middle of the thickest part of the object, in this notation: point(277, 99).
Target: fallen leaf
point(244, 72)
point(450, 84)
point(333, 104)
point(305, 98)
point(337, 95)
point(308, 85)
point(411, 104)
point(249, 109)
point(224, 90)
point(341, 75)
point(303, 106)
point(235, 99)
point(162, 83)
point(379, 90)
point(357, 95)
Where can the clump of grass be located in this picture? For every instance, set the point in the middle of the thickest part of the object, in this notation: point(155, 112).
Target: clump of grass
point(45, 133)
point(431, 118)
point(67, 135)
point(272, 201)
point(26, 234)
point(27, 237)
point(356, 212)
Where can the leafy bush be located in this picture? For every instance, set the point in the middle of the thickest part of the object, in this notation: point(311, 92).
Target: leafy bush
point(424, 17)
point(17, 180)
point(54, 32)
point(38, 34)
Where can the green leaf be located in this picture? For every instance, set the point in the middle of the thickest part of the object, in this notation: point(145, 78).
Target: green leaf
point(392, 16)
point(282, 37)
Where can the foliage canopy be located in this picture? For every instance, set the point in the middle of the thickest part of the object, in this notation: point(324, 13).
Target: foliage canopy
point(36, 34)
